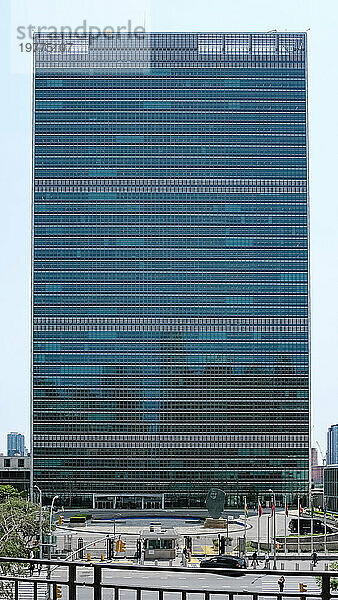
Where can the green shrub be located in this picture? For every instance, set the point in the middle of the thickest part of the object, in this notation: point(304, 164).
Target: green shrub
point(77, 519)
point(333, 580)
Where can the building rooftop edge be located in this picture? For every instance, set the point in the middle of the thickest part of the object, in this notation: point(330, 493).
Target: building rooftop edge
point(145, 32)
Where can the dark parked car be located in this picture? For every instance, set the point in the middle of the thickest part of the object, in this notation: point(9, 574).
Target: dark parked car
point(305, 526)
point(224, 561)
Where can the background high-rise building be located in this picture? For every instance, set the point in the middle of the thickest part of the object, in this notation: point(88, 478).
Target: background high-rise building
point(170, 275)
point(331, 486)
point(317, 471)
point(332, 445)
point(314, 457)
point(15, 444)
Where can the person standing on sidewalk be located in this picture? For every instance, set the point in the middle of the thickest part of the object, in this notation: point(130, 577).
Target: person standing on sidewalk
point(314, 558)
point(267, 561)
point(281, 583)
point(254, 563)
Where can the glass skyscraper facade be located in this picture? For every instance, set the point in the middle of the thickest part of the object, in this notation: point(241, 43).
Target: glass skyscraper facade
point(15, 444)
point(332, 445)
point(170, 266)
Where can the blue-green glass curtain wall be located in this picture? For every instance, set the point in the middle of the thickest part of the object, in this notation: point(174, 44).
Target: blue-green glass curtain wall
point(170, 273)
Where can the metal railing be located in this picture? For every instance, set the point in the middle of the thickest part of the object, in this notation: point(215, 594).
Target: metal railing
point(12, 575)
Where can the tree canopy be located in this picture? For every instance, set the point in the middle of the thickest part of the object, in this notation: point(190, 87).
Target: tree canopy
point(19, 531)
point(8, 491)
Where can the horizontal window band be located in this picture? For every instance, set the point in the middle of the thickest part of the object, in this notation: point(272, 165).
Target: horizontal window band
point(158, 438)
point(151, 135)
point(176, 320)
point(169, 181)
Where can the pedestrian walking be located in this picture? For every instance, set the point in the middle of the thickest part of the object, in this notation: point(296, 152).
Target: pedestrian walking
point(254, 557)
point(314, 558)
point(281, 583)
point(267, 561)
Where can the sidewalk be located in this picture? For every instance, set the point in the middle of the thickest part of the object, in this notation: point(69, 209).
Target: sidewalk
point(292, 563)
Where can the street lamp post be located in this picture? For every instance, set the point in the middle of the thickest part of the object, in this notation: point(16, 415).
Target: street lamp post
point(40, 522)
point(50, 524)
point(117, 515)
point(274, 529)
point(50, 543)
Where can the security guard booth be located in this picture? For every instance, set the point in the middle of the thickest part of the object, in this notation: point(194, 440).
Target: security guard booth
point(159, 544)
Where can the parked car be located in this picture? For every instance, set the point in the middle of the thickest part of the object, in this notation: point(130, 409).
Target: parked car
point(225, 561)
point(305, 526)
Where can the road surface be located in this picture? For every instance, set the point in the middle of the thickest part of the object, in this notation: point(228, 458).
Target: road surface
point(170, 580)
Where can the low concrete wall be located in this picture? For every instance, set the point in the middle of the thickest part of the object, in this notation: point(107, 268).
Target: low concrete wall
point(216, 523)
point(304, 543)
point(159, 554)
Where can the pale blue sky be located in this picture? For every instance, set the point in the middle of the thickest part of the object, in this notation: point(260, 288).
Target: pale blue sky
point(317, 16)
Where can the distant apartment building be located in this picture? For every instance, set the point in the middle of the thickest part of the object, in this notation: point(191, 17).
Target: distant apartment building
point(332, 445)
point(16, 444)
point(15, 471)
point(317, 475)
point(317, 471)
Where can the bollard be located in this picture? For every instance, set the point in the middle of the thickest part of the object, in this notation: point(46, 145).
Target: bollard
point(282, 566)
point(302, 588)
point(297, 567)
point(102, 557)
point(88, 556)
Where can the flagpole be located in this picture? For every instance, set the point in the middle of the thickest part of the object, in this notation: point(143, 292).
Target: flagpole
point(259, 526)
point(311, 509)
point(274, 531)
point(245, 527)
point(285, 521)
point(298, 527)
